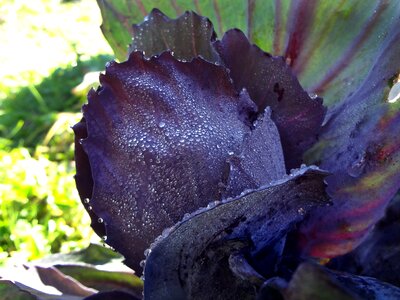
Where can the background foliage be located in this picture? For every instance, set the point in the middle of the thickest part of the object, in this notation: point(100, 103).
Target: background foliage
point(47, 68)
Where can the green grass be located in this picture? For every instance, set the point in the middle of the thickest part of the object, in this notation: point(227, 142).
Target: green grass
point(29, 112)
point(39, 207)
point(48, 47)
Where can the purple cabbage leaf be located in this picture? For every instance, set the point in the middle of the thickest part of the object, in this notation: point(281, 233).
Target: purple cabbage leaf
point(192, 150)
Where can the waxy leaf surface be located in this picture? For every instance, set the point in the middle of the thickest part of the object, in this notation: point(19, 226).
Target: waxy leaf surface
point(359, 144)
point(379, 255)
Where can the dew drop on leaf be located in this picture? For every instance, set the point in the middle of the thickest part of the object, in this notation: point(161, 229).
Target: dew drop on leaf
point(357, 167)
point(394, 93)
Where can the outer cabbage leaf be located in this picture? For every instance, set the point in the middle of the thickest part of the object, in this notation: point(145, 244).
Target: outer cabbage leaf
point(194, 258)
point(359, 145)
point(159, 134)
point(379, 255)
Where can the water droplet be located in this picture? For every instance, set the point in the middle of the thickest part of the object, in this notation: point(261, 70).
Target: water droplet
point(89, 207)
point(86, 200)
point(147, 252)
point(161, 124)
point(301, 211)
point(357, 167)
point(313, 95)
point(394, 93)
point(104, 238)
point(165, 232)
point(100, 220)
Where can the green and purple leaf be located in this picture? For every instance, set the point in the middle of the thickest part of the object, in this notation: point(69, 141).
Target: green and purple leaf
point(359, 145)
point(379, 255)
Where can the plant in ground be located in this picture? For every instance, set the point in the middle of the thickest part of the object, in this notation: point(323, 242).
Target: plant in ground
point(208, 155)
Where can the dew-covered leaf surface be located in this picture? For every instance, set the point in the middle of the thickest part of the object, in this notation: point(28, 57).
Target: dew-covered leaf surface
point(159, 133)
point(260, 160)
point(193, 261)
point(188, 36)
point(270, 82)
point(359, 144)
